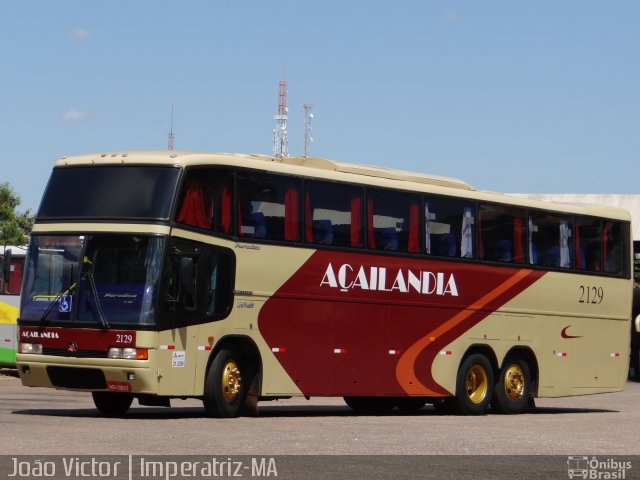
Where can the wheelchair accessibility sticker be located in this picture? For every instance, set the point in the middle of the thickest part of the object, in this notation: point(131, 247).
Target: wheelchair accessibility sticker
point(64, 304)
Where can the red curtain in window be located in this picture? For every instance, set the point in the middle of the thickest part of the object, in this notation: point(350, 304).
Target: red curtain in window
point(356, 221)
point(517, 240)
point(196, 207)
point(291, 229)
point(308, 219)
point(578, 249)
point(605, 241)
point(414, 228)
point(239, 226)
point(225, 220)
point(371, 240)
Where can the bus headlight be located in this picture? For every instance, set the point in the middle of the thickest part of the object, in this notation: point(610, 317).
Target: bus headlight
point(114, 352)
point(31, 348)
point(128, 353)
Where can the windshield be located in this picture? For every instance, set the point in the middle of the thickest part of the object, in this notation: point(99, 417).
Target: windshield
point(97, 279)
point(108, 191)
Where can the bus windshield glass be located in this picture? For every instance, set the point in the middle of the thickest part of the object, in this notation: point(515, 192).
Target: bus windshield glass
point(103, 192)
point(94, 279)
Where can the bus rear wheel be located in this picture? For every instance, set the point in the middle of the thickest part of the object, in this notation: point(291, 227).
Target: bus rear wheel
point(513, 388)
point(474, 385)
point(224, 386)
point(111, 403)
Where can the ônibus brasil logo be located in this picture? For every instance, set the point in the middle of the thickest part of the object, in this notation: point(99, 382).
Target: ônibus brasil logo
point(348, 277)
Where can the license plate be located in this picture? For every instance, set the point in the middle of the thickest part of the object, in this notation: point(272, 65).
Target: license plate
point(118, 387)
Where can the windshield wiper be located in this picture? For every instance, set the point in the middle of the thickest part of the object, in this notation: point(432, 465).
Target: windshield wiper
point(94, 290)
point(92, 283)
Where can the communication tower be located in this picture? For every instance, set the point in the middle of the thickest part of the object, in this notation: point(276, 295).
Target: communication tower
point(308, 116)
point(172, 137)
point(280, 140)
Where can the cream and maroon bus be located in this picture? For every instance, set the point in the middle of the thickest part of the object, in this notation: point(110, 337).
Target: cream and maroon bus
point(237, 278)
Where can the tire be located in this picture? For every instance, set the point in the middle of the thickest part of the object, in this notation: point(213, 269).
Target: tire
point(224, 386)
point(513, 389)
point(111, 404)
point(410, 404)
point(474, 385)
point(370, 404)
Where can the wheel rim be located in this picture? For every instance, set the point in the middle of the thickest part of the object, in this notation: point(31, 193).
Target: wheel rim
point(231, 381)
point(514, 382)
point(477, 384)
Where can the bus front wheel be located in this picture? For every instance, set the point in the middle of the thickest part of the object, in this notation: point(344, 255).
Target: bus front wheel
point(112, 403)
point(224, 386)
point(513, 388)
point(474, 385)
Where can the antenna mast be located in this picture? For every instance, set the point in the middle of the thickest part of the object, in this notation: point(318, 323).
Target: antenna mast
point(308, 116)
point(280, 140)
point(172, 137)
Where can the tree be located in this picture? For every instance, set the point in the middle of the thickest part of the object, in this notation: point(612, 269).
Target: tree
point(15, 227)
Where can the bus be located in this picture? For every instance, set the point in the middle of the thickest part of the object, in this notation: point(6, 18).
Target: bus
point(12, 261)
point(238, 278)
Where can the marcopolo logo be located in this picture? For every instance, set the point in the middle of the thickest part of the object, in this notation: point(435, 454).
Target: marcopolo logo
point(348, 277)
point(595, 468)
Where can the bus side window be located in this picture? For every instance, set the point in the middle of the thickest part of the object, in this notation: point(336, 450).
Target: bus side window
point(333, 214)
point(393, 221)
point(587, 244)
point(181, 281)
point(218, 282)
point(613, 241)
point(268, 206)
point(188, 284)
point(206, 200)
point(197, 283)
point(550, 240)
point(501, 234)
point(449, 227)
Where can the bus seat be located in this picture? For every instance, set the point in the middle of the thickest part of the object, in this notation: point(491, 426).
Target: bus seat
point(323, 232)
point(389, 239)
point(502, 251)
point(552, 257)
point(260, 224)
point(446, 245)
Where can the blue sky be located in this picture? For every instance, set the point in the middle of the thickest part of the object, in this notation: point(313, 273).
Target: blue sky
point(510, 96)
